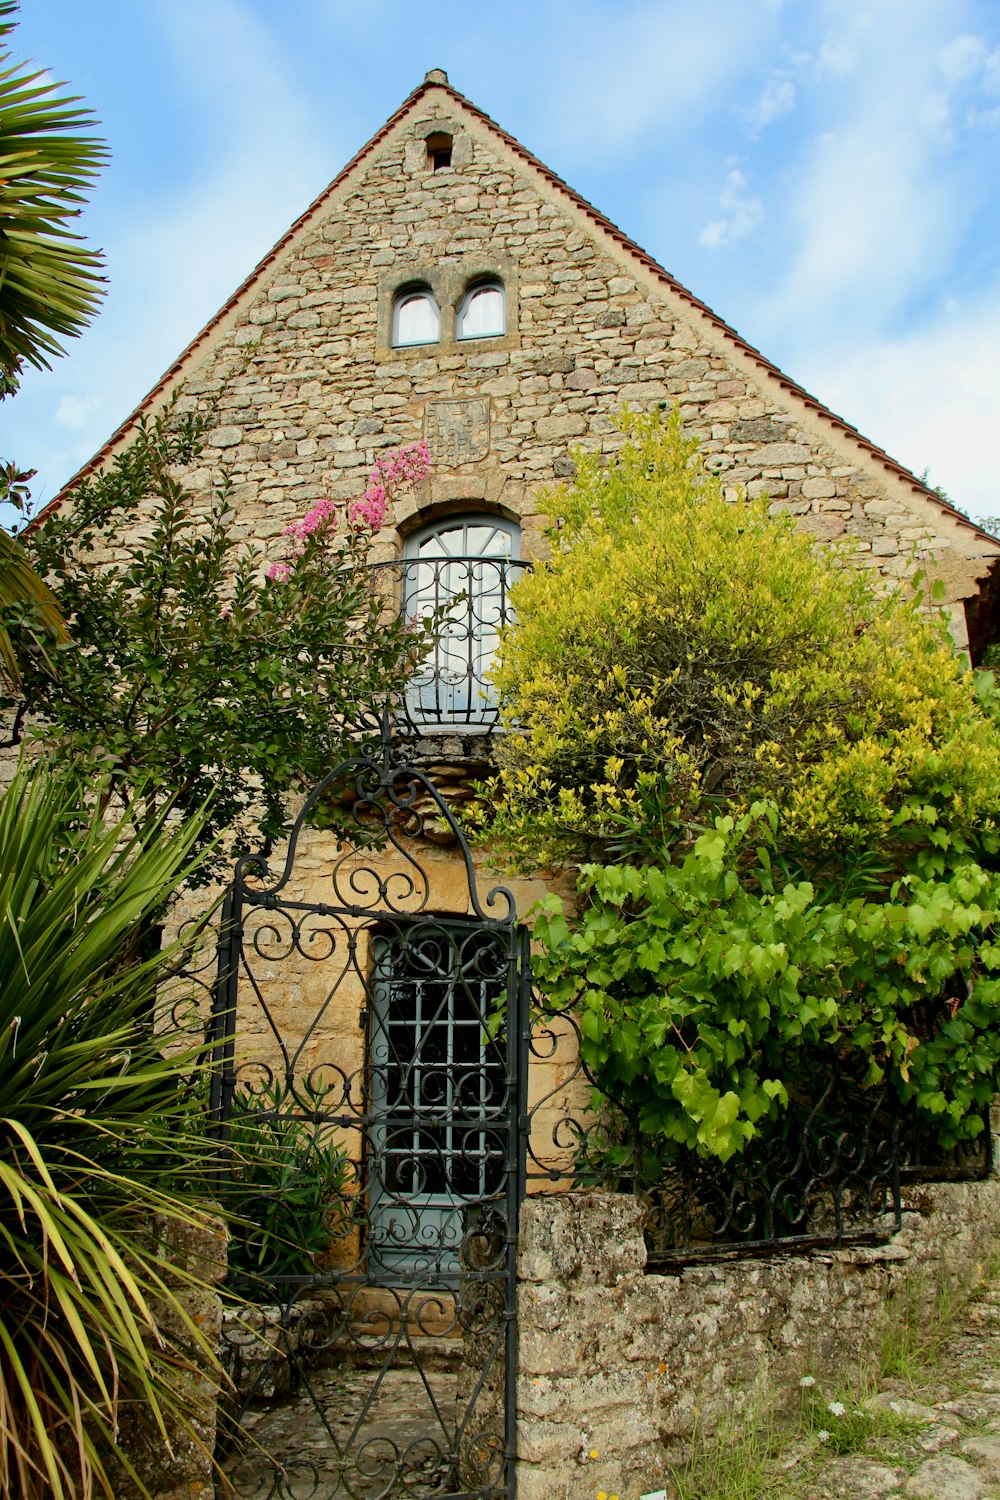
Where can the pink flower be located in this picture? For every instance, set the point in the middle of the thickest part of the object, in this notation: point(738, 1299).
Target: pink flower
point(280, 572)
point(392, 472)
point(226, 612)
point(369, 512)
point(323, 516)
point(403, 467)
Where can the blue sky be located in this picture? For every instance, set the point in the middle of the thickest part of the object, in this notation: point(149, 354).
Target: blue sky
point(824, 173)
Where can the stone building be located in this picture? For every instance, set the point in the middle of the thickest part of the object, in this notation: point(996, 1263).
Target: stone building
point(447, 286)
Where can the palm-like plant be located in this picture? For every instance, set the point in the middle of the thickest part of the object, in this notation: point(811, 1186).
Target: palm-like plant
point(20, 585)
point(50, 282)
point(94, 1144)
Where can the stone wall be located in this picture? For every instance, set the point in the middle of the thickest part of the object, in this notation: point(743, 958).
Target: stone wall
point(308, 391)
point(616, 1366)
point(193, 1261)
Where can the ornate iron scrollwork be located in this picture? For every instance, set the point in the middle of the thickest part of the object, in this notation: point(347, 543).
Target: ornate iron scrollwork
point(366, 1098)
point(830, 1171)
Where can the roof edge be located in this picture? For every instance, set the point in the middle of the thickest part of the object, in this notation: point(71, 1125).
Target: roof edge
point(108, 446)
point(719, 323)
point(436, 79)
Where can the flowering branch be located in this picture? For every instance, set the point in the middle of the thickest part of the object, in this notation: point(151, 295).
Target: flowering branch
point(392, 475)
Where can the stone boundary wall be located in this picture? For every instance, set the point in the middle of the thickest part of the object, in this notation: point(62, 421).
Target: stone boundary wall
point(617, 1367)
point(193, 1260)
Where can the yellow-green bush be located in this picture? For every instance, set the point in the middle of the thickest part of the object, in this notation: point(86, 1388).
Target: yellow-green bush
point(791, 785)
point(681, 655)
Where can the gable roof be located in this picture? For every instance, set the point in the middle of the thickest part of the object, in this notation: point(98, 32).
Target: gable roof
point(436, 79)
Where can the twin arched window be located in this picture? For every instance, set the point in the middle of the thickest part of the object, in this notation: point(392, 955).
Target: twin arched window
point(416, 317)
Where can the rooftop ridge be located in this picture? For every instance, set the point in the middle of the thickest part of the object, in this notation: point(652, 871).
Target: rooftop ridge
point(437, 78)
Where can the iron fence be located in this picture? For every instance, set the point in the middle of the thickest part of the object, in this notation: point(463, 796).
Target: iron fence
point(831, 1171)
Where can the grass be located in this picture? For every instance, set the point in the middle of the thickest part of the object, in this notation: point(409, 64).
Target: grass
point(848, 1425)
point(912, 1341)
point(739, 1462)
point(733, 1463)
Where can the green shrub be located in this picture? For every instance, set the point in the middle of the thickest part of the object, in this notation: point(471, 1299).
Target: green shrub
point(789, 786)
point(285, 1187)
point(707, 988)
point(192, 668)
point(94, 1142)
point(682, 655)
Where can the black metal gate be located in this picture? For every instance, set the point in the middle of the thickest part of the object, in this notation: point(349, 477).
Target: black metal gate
point(365, 1027)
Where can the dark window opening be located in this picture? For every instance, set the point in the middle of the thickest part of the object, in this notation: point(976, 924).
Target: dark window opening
point(439, 152)
point(438, 1087)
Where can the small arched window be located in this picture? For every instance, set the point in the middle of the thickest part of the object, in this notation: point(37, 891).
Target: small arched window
point(415, 318)
point(483, 312)
point(459, 570)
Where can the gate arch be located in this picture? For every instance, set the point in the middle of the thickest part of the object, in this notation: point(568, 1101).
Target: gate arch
point(366, 1100)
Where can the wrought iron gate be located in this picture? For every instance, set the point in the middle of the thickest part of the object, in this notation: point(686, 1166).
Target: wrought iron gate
point(365, 1026)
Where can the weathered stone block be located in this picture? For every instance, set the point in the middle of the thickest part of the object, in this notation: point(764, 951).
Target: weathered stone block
point(818, 489)
point(822, 526)
point(779, 454)
point(568, 426)
point(590, 1237)
point(757, 431)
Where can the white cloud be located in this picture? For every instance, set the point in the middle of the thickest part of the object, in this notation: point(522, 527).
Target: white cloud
point(73, 412)
point(867, 225)
point(970, 69)
point(963, 57)
point(177, 254)
point(930, 398)
point(742, 214)
point(776, 98)
point(838, 58)
point(655, 69)
point(935, 115)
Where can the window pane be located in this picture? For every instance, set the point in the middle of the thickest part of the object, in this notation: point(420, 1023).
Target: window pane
point(482, 314)
point(463, 566)
point(416, 319)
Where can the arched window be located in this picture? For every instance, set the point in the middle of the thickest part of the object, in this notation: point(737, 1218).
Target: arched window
point(439, 151)
point(415, 318)
point(483, 312)
point(463, 565)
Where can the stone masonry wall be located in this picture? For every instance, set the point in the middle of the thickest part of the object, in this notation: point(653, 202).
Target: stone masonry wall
point(616, 1367)
point(193, 1260)
point(308, 391)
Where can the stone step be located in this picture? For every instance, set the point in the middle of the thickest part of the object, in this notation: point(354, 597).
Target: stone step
point(440, 1354)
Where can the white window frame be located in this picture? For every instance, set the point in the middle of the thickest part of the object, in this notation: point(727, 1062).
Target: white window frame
point(401, 300)
point(491, 284)
point(473, 558)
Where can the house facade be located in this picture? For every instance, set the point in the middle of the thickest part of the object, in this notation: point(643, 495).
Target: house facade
point(447, 287)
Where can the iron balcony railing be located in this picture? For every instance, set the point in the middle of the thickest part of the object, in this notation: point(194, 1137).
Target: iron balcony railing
point(470, 599)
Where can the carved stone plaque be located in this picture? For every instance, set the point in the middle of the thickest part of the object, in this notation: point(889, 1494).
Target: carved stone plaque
point(458, 432)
